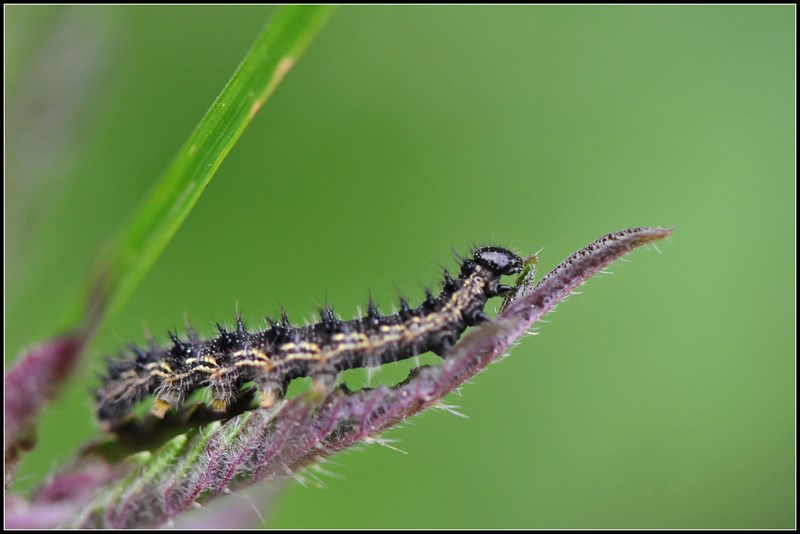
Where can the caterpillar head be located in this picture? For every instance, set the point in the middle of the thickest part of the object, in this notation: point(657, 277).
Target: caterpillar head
point(498, 260)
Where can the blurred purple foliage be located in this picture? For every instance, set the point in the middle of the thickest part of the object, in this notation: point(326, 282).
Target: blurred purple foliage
point(31, 382)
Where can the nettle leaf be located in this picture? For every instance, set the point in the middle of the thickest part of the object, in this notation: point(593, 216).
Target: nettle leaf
point(157, 484)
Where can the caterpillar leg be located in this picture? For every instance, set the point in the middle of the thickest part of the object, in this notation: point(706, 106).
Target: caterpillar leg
point(159, 408)
point(269, 392)
point(163, 403)
point(322, 385)
point(170, 395)
point(444, 344)
point(222, 398)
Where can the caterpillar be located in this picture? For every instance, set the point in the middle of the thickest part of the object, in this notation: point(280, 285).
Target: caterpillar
point(273, 357)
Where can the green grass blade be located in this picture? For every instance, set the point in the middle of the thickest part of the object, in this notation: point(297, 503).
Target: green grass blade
point(158, 218)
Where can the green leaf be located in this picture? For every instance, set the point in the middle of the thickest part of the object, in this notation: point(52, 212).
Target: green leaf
point(158, 218)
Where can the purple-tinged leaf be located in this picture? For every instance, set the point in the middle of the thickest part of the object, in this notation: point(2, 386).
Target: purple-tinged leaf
point(529, 307)
point(243, 509)
point(267, 444)
point(59, 497)
point(31, 382)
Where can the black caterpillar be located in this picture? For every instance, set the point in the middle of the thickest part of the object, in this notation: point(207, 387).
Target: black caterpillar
point(273, 357)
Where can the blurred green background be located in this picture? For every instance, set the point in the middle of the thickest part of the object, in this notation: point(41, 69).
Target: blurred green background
point(661, 397)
